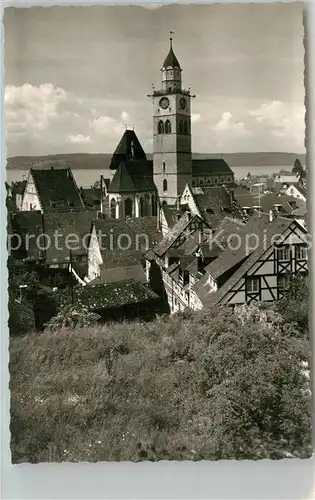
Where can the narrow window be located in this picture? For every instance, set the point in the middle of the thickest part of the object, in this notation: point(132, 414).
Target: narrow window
point(181, 127)
point(113, 208)
point(164, 167)
point(160, 127)
point(165, 185)
point(283, 253)
point(252, 284)
point(300, 252)
point(168, 128)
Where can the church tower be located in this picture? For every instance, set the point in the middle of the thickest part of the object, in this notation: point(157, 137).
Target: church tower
point(172, 162)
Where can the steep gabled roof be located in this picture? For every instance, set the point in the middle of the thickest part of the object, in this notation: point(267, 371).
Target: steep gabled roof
point(132, 176)
point(174, 233)
point(57, 190)
point(128, 148)
point(120, 243)
point(210, 166)
point(58, 228)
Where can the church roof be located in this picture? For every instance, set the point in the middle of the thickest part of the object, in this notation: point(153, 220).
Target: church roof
point(171, 60)
point(132, 176)
point(129, 147)
point(210, 166)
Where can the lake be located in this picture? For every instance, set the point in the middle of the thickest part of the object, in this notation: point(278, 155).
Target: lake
point(87, 178)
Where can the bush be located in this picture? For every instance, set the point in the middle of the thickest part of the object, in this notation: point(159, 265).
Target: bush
point(72, 317)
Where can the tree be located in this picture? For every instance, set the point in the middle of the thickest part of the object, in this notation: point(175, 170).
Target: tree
point(299, 171)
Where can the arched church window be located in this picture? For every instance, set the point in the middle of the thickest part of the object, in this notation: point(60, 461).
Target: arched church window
point(168, 128)
point(160, 127)
point(185, 131)
point(113, 208)
point(165, 185)
point(181, 127)
point(128, 207)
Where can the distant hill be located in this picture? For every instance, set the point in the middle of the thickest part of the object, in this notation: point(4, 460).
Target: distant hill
point(102, 161)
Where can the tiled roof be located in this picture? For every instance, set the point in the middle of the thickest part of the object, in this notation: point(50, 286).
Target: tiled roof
point(147, 226)
point(77, 224)
point(110, 295)
point(215, 203)
point(121, 258)
point(132, 176)
point(134, 272)
point(172, 213)
point(122, 241)
point(57, 190)
point(128, 148)
point(91, 197)
point(210, 166)
point(173, 234)
point(266, 201)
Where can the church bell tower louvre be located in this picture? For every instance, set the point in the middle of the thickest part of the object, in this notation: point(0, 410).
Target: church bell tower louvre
point(172, 159)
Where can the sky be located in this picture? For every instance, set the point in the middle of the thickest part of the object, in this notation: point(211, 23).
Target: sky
point(75, 76)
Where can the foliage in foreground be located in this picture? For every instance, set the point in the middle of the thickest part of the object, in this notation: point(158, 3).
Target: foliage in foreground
point(206, 385)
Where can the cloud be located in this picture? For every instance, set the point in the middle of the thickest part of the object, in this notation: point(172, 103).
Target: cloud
point(79, 139)
point(106, 125)
point(282, 120)
point(226, 123)
point(195, 117)
point(31, 109)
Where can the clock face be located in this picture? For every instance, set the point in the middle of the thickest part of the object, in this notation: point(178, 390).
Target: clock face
point(164, 102)
point(182, 103)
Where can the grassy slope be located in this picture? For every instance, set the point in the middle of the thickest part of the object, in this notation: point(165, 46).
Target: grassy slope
point(133, 391)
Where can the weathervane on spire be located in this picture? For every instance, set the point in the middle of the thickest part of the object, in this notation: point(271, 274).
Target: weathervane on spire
point(171, 38)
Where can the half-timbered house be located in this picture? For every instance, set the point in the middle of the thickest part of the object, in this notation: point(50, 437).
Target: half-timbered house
point(256, 264)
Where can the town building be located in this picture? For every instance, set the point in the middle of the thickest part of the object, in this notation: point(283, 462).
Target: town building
point(52, 190)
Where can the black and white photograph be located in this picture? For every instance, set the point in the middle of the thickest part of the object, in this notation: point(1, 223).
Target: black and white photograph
point(157, 233)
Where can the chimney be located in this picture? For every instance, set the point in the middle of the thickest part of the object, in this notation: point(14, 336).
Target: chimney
point(178, 202)
point(270, 216)
point(188, 212)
